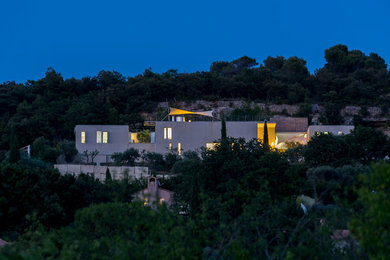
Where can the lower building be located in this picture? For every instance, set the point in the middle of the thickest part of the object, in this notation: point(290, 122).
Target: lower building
point(153, 194)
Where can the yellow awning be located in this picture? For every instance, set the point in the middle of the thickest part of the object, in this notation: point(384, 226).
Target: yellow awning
point(176, 111)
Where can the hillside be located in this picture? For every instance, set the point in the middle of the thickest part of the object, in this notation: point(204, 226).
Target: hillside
point(52, 106)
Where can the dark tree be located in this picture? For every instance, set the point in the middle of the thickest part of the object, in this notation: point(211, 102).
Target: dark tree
point(108, 175)
point(14, 154)
point(223, 129)
point(265, 137)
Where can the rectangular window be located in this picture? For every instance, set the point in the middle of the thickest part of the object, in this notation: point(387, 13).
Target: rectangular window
point(168, 133)
point(98, 137)
point(170, 146)
point(326, 132)
point(179, 148)
point(83, 137)
point(105, 137)
point(340, 133)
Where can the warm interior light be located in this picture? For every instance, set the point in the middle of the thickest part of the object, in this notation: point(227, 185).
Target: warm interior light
point(83, 137)
point(98, 137)
point(105, 137)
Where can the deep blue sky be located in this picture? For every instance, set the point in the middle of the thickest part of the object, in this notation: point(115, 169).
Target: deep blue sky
point(80, 38)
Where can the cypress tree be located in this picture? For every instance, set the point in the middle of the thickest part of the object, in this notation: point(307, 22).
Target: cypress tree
point(223, 129)
point(14, 154)
point(108, 175)
point(265, 137)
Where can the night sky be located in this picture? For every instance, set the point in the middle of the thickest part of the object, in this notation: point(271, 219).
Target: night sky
point(81, 38)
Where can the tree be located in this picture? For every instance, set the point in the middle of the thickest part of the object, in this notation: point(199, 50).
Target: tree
point(223, 129)
point(144, 136)
point(326, 149)
point(128, 157)
point(372, 226)
point(331, 116)
point(265, 136)
point(14, 154)
point(90, 155)
point(367, 145)
point(108, 175)
point(68, 149)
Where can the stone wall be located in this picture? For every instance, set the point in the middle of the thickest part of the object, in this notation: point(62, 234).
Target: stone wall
point(99, 172)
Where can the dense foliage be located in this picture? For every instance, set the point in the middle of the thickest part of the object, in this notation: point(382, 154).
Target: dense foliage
point(239, 200)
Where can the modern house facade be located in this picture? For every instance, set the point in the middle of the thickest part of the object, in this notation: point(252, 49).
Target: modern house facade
point(181, 132)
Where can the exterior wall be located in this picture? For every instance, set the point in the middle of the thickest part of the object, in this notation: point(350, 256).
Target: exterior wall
point(193, 135)
point(271, 133)
point(118, 140)
point(332, 129)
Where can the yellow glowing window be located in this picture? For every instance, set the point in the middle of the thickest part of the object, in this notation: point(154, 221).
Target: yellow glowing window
point(326, 132)
point(105, 137)
point(168, 133)
point(146, 202)
point(179, 148)
point(98, 137)
point(83, 137)
point(161, 201)
point(170, 146)
point(211, 146)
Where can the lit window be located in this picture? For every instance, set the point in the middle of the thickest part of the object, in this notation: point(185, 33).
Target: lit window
point(317, 133)
point(83, 137)
point(168, 133)
point(146, 202)
point(170, 146)
point(105, 137)
point(179, 148)
point(340, 133)
point(326, 132)
point(161, 201)
point(211, 146)
point(98, 137)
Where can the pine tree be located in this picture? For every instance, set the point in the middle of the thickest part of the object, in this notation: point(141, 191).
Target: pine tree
point(14, 154)
point(265, 137)
point(108, 175)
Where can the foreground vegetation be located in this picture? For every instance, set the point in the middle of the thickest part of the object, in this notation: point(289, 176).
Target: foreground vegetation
point(238, 201)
